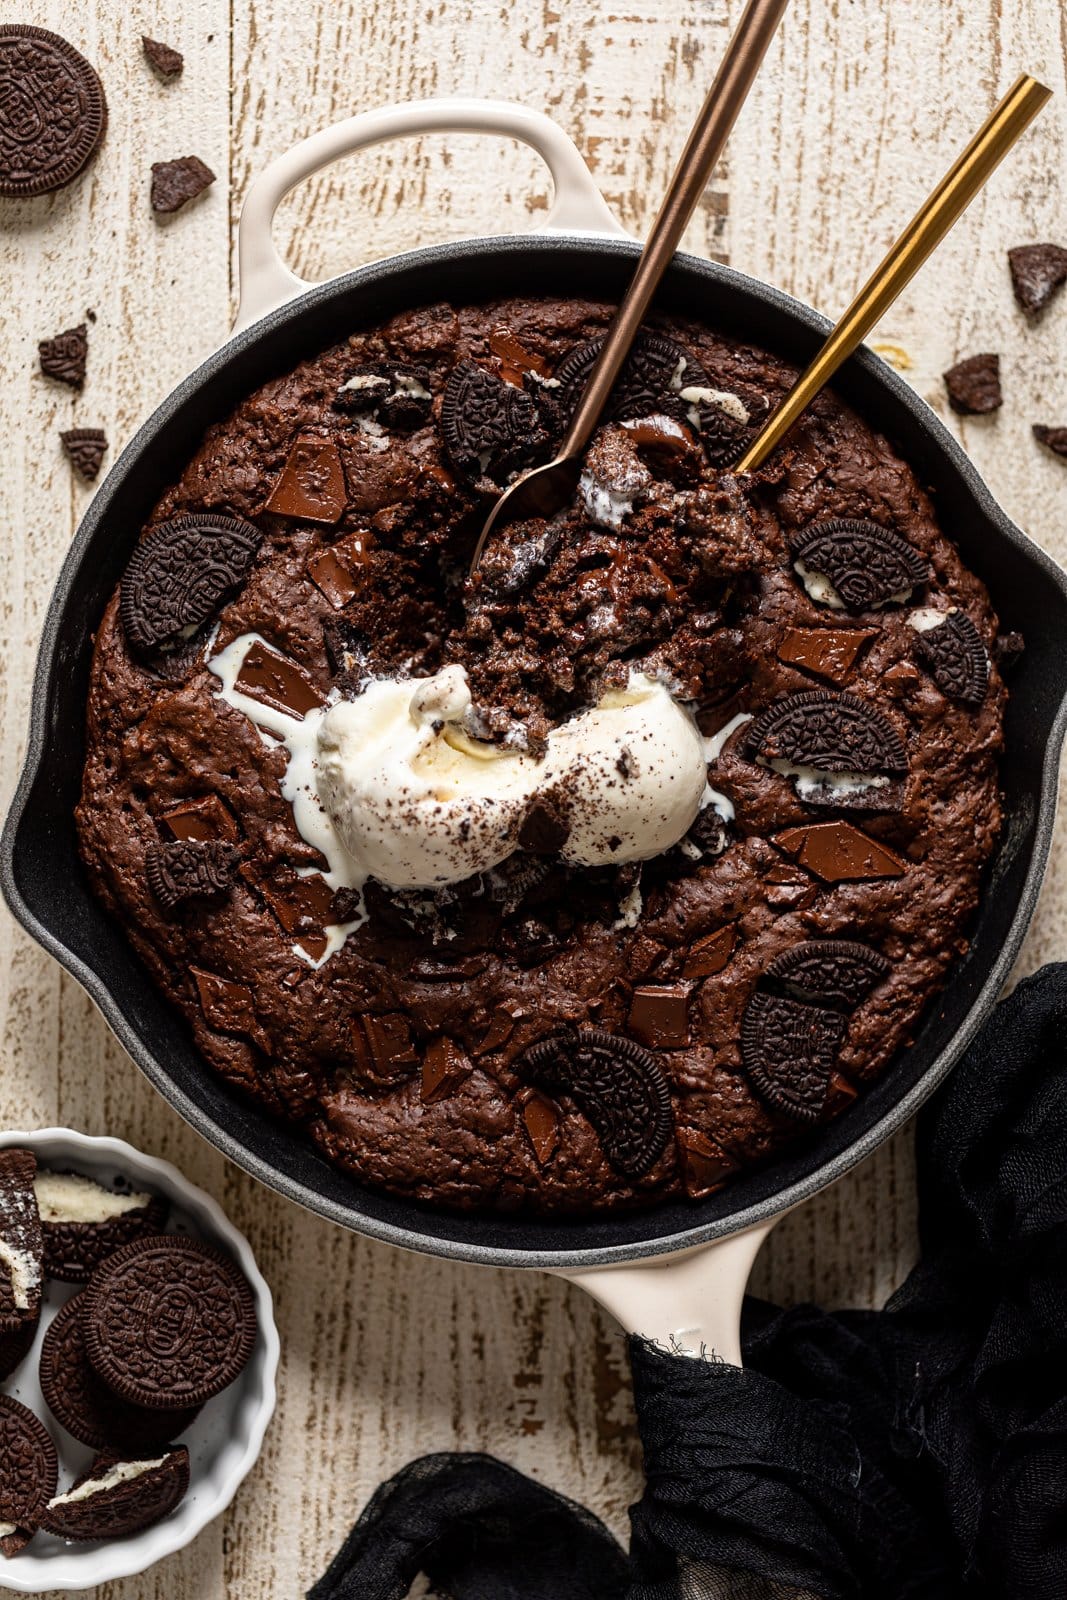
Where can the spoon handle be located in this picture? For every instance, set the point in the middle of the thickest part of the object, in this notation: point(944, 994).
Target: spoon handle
point(703, 149)
point(924, 232)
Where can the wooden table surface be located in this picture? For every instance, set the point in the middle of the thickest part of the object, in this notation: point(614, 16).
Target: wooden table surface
point(860, 105)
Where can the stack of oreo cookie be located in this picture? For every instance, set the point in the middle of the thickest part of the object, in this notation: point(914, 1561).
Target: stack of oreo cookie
point(161, 1324)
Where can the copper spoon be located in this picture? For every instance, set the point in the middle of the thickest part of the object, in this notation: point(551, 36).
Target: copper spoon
point(923, 234)
point(546, 489)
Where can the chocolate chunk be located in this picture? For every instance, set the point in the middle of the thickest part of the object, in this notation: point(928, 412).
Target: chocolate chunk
point(828, 732)
point(82, 1223)
point(705, 1164)
point(788, 1051)
point(64, 357)
point(531, 942)
point(616, 1084)
point(175, 183)
point(825, 652)
point(489, 427)
point(169, 1322)
point(540, 1118)
point(312, 483)
point(1037, 271)
point(29, 1470)
point(866, 563)
point(954, 655)
point(205, 818)
point(191, 870)
point(180, 573)
point(1054, 439)
point(300, 904)
point(383, 1047)
point(276, 681)
point(659, 1016)
point(974, 385)
point(86, 448)
point(119, 1496)
point(392, 392)
point(444, 1067)
point(340, 572)
point(841, 970)
point(710, 954)
point(228, 1007)
point(839, 853)
point(515, 360)
point(21, 1258)
point(84, 1405)
point(545, 828)
point(167, 61)
point(54, 111)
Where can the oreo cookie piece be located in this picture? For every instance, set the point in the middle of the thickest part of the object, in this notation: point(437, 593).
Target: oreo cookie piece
point(21, 1258)
point(54, 112)
point(119, 1496)
point(393, 393)
point(169, 1322)
point(954, 655)
point(83, 1223)
point(175, 183)
point(490, 428)
point(851, 564)
point(29, 1469)
point(830, 971)
point(83, 1404)
point(788, 1051)
point(179, 575)
point(190, 869)
point(167, 61)
point(973, 385)
point(1054, 439)
point(1037, 271)
point(617, 1085)
point(86, 449)
point(64, 357)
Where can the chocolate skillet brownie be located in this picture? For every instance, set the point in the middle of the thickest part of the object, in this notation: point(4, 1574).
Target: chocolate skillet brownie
point(548, 1034)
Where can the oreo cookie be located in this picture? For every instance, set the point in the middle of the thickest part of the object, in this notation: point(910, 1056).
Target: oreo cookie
point(83, 1404)
point(29, 1470)
point(617, 1085)
point(954, 655)
point(54, 111)
point(190, 869)
point(391, 392)
point(119, 1496)
point(21, 1258)
point(490, 429)
point(788, 1051)
point(169, 1322)
point(83, 1223)
point(830, 971)
point(179, 575)
point(86, 449)
point(854, 565)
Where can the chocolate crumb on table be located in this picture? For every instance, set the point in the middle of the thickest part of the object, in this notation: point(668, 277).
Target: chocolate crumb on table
point(1037, 271)
point(1054, 439)
point(974, 385)
point(175, 183)
point(167, 61)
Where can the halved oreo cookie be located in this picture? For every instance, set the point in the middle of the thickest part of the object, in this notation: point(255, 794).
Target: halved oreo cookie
point(831, 971)
point(179, 575)
point(21, 1258)
point(119, 1496)
point(29, 1469)
point(395, 394)
point(954, 655)
point(788, 1051)
point(83, 1223)
point(832, 732)
point(864, 564)
point(190, 870)
point(616, 1083)
point(490, 428)
point(83, 1403)
point(169, 1322)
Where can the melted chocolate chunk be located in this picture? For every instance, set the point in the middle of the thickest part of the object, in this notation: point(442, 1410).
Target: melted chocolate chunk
point(1037, 271)
point(395, 394)
point(954, 655)
point(178, 873)
point(383, 1046)
point(705, 1164)
point(829, 653)
point(841, 970)
point(974, 385)
point(205, 818)
point(64, 357)
point(837, 852)
point(228, 1007)
point(444, 1067)
point(312, 485)
point(710, 954)
point(276, 681)
point(788, 1051)
point(86, 448)
point(659, 1016)
point(866, 563)
point(490, 428)
point(540, 1118)
point(827, 731)
point(179, 575)
point(616, 1084)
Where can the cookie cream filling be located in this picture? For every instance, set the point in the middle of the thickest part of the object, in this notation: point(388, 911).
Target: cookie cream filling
point(121, 1472)
point(68, 1197)
point(6, 1529)
point(821, 590)
point(24, 1274)
point(809, 781)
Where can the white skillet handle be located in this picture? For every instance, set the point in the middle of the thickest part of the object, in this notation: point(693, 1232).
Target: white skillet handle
point(688, 1303)
point(266, 282)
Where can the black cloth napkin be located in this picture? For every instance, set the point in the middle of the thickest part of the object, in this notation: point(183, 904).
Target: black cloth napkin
point(916, 1453)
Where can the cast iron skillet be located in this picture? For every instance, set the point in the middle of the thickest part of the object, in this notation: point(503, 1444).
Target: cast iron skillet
point(42, 878)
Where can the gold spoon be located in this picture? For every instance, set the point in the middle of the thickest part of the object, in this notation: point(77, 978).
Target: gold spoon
point(546, 489)
point(923, 234)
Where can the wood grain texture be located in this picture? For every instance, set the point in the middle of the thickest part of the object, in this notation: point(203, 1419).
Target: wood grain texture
point(859, 107)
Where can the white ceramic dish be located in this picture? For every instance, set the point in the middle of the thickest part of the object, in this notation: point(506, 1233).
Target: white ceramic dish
point(225, 1439)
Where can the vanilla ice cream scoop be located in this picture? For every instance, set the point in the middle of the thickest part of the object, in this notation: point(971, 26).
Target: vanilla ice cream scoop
point(417, 801)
